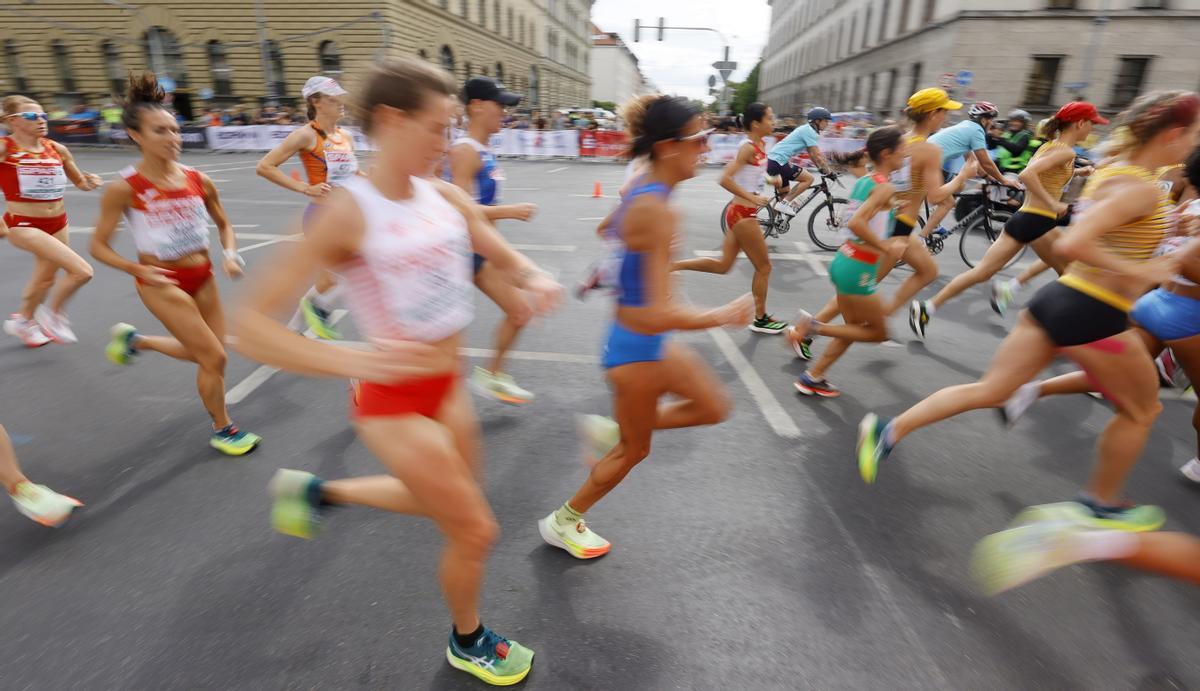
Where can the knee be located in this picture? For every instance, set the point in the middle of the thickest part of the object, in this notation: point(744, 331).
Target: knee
point(82, 274)
point(877, 333)
point(212, 360)
point(764, 269)
point(1146, 413)
point(716, 409)
point(518, 317)
point(475, 533)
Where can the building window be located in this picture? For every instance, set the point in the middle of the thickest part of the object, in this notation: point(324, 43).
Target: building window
point(445, 4)
point(856, 95)
point(496, 16)
point(422, 54)
point(871, 85)
point(160, 40)
point(447, 59)
point(112, 67)
point(512, 27)
point(883, 19)
point(1150, 4)
point(62, 63)
point(464, 8)
point(1043, 77)
point(1060, 4)
point(218, 67)
point(915, 77)
point(853, 33)
point(482, 12)
point(13, 60)
point(891, 92)
point(535, 96)
point(902, 23)
point(930, 10)
point(500, 72)
point(331, 60)
point(866, 34)
point(277, 83)
point(521, 27)
point(1130, 73)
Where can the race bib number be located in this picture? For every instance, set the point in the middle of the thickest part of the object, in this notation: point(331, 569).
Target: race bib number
point(177, 227)
point(42, 183)
point(341, 166)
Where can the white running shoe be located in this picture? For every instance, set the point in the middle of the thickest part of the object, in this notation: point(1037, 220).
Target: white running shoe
point(576, 538)
point(786, 208)
point(55, 325)
point(43, 505)
point(1191, 470)
point(27, 330)
point(1019, 402)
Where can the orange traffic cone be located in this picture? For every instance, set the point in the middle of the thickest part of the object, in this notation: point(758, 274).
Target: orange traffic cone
point(296, 175)
point(596, 193)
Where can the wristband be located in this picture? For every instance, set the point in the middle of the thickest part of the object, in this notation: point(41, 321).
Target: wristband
point(233, 256)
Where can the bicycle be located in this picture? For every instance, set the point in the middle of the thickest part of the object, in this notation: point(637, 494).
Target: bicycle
point(775, 223)
point(979, 228)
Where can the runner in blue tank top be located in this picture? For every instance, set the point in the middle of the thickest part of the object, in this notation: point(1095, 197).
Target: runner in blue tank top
point(640, 363)
point(473, 167)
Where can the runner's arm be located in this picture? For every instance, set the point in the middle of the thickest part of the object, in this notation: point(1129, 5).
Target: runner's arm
point(818, 159)
point(464, 166)
point(988, 167)
point(299, 140)
point(933, 171)
point(117, 197)
point(84, 181)
point(859, 223)
point(1116, 203)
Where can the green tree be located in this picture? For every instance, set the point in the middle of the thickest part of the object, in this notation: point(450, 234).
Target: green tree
point(746, 92)
point(606, 105)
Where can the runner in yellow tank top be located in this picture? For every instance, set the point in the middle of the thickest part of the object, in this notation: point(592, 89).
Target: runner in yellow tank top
point(1084, 315)
point(1036, 223)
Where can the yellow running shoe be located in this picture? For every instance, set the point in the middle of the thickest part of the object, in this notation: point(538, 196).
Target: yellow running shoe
point(231, 441)
point(318, 321)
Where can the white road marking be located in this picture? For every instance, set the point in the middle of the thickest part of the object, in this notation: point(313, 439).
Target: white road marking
point(543, 248)
point(248, 236)
point(776, 416)
point(522, 189)
point(264, 372)
point(573, 358)
point(591, 196)
point(274, 240)
point(276, 202)
point(591, 218)
point(812, 259)
point(556, 170)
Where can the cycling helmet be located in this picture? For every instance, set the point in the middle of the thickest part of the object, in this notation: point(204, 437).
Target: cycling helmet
point(983, 109)
point(819, 113)
point(1021, 115)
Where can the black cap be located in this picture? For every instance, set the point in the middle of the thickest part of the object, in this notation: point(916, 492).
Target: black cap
point(488, 89)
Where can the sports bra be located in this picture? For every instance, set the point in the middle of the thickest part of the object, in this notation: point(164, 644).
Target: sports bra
point(412, 276)
point(332, 160)
point(631, 288)
point(32, 176)
point(750, 177)
point(167, 224)
point(489, 175)
point(1054, 179)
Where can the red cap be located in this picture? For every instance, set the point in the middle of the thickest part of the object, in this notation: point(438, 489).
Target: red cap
point(1079, 110)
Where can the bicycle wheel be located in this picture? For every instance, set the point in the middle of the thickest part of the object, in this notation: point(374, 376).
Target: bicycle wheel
point(975, 240)
point(825, 223)
point(724, 213)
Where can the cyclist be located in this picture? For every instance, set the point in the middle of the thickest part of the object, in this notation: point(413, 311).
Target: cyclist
point(744, 179)
point(966, 138)
point(1017, 145)
point(1035, 224)
point(802, 139)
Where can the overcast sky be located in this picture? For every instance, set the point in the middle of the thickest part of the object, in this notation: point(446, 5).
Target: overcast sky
point(682, 62)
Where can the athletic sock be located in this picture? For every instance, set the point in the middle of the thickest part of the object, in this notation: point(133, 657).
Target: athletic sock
point(888, 436)
point(567, 516)
point(1014, 285)
point(1103, 545)
point(466, 640)
point(930, 308)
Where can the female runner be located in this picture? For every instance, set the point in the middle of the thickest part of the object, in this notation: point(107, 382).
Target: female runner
point(1124, 216)
point(641, 365)
point(744, 178)
point(166, 207)
point(402, 241)
point(327, 153)
point(33, 175)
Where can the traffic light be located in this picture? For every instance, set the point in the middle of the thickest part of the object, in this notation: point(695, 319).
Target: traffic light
point(662, 24)
point(637, 30)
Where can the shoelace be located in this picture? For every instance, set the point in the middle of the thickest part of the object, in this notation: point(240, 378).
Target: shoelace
point(490, 643)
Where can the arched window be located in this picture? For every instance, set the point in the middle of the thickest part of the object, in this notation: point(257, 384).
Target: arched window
point(331, 60)
point(62, 64)
point(447, 57)
point(499, 71)
point(277, 82)
point(112, 67)
point(163, 54)
point(12, 59)
point(218, 67)
point(535, 96)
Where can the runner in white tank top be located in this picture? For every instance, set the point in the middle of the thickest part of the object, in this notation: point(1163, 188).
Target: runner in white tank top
point(403, 242)
point(745, 179)
point(166, 207)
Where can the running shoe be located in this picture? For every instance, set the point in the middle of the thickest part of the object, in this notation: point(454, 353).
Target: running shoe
point(872, 447)
point(786, 208)
point(576, 538)
point(55, 325)
point(816, 387)
point(43, 505)
point(318, 321)
point(1019, 555)
point(1191, 470)
point(803, 348)
point(231, 441)
point(1021, 400)
point(27, 330)
point(295, 506)
point(1133, 518)
point(120, 348)
point(918, 318)
point(797, 333)
point(499, 386)
point(599, 435)
point(492, 658)
point(1170, 371)
point(1002, 296)
point(766, 324)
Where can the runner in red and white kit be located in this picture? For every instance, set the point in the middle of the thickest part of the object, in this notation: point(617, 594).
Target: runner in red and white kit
point(33, 174)
point(327, 153)
point(744, 178)
point(166, 207)
point(403, 242)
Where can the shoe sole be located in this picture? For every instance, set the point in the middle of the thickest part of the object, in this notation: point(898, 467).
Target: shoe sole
point(229, 451)
point(809, 391)
point(484, 675)
point(488, 393)
point(913, 320)
point(764, 330)
point(865, 428)
point(555, 541)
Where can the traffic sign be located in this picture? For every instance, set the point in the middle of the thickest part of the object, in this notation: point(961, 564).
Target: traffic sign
point(964, 77)
point(725, 68)
point(1075, 86)
point(167, 84)
point(712, 81)
point(947, 81)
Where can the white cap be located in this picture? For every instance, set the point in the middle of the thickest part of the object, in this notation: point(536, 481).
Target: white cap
point(322, 85)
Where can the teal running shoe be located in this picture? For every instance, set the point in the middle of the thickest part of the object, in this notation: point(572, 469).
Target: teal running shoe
point(492, 658)
point(232, 441)
point(872, 447)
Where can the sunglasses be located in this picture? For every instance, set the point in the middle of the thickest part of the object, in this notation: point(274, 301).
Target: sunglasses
point(701, 136)
point(31, 117)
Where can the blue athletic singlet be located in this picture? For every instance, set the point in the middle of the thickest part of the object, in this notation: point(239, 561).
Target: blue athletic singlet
point(487, 179)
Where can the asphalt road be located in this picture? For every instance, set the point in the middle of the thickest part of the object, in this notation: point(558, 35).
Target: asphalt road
point(746, 556)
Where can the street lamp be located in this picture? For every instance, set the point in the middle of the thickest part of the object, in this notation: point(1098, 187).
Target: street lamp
point(156, 56)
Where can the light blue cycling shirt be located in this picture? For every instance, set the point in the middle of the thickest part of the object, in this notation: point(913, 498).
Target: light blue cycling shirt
point(958, 140)
point(799, 140)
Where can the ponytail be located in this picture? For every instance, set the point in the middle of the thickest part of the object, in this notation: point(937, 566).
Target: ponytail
point(1050, 129)
point(142, 92)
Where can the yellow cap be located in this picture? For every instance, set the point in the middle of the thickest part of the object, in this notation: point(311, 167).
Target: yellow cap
point(929, 100)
